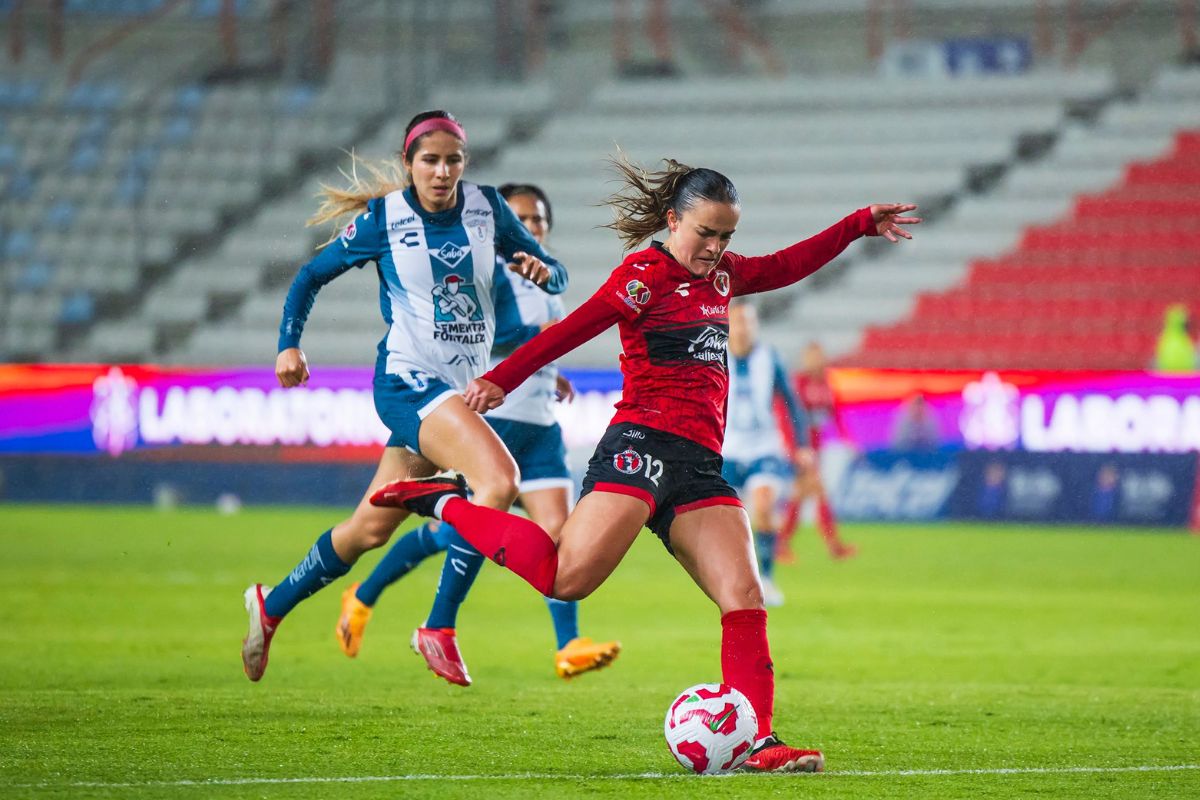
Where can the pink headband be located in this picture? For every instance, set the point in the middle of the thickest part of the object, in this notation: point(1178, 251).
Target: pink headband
point(434, 124)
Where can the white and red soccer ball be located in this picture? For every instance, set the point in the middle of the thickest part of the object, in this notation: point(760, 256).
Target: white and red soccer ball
point(711, 728)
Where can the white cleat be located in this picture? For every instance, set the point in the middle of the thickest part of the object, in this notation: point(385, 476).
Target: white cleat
point(256, 647)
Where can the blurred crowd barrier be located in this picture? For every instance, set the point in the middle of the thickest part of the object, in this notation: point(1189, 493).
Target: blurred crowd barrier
point(1089, 447)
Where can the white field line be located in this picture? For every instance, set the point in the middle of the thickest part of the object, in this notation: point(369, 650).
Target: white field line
point(641, 776)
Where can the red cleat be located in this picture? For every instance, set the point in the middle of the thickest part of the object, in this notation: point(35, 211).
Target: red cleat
point(840, 551)
point(256, 647)
point(420, 495)
point(775, 756)
point(440, 650)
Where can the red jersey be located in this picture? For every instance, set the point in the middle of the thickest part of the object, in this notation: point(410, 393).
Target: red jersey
point(675, 328)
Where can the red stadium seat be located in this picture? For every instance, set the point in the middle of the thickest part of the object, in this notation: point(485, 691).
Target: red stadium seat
point(1085, 292)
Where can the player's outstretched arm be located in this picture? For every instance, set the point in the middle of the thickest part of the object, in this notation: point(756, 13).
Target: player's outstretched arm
point(763, 273)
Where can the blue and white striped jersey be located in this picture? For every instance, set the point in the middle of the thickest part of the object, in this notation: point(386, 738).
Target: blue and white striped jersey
point(521, 310)
point(751, 431)
point(438, 272)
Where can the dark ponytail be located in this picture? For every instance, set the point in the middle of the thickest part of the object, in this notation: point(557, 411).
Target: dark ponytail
point(641, 204)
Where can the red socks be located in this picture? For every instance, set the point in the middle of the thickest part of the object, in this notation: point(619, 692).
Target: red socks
point(827, 522)
point(509, 540)
point(746, 662)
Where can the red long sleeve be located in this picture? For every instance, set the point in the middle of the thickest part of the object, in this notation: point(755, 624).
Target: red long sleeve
point(753, 274)
point(581, 325)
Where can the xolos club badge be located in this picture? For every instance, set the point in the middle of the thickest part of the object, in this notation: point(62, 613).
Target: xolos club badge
point(628, 461)
point(721, 282)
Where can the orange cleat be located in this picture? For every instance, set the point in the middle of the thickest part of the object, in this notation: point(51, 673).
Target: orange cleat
point(352, 622)
point(440, 649)
point(775, 756)
point(582, 655)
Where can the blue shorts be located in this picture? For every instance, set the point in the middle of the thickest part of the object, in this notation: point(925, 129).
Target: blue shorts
point(404, 404)
point(771, 470)
point(538, 450)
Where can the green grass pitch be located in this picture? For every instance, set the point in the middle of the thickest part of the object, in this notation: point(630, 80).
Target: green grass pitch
point(945, 661)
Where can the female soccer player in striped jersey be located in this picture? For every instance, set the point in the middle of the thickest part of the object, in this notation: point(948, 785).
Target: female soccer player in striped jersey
point(435, 245)
point(526, 425)
point(756, 462)
point(659, 463)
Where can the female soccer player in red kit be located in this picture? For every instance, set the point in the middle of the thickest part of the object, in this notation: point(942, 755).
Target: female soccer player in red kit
point(815, 393)
point(659, 463)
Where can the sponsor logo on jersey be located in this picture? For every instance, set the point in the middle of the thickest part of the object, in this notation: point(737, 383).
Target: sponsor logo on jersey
point(709, 345)
point(410, 239)
point(706, 342)
point(638, 292)
point(721, 282)
point(400, 223)
point(634, 434)
point(457, 314)
point(713, 311)
point(450, 254)
point(477, 212)
point(628, 461)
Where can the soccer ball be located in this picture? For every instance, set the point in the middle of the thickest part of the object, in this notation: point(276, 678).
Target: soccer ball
point(710, 728)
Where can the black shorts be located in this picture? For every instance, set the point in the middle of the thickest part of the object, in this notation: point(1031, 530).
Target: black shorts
point(670, 473)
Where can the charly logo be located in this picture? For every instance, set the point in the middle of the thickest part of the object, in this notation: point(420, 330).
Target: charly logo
point(628, 461)
point(450, 254)
point(709, 345)
point(114, 412)
point(721, 282)
point(455, 301)
point(638, 291)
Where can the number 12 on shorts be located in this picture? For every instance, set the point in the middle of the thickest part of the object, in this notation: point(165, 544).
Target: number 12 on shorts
point(631, 462)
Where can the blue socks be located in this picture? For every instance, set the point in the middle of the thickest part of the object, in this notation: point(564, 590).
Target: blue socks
point(408, 551)
point(764, 545)
point(320, 567)
point(461, 566)
point(565, 614)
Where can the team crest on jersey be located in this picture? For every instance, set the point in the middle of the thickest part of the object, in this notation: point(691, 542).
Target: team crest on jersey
point(455, 300)
point(721, 282)
point(628, 461)
point(638, 292)
point(481, 232)
point(450, 254)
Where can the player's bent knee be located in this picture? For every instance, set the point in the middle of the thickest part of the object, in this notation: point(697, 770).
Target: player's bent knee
point(372, 533)
point(741, 597)
point(573, 585)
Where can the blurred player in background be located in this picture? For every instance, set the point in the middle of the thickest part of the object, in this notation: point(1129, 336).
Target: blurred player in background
point(815, 393)
point(527, 426)
point(756, 461)
point(434, 240)
point(659, 463)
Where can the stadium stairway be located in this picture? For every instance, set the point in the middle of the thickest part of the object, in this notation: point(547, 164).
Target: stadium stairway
point(1089, 288)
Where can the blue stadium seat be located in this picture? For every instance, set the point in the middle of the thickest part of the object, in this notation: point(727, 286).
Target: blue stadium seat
point(211, 8)
point(178, 130)
point(62, 214)
point(85, 158)
point(9, 155)
point(19, 245)
point(189, 98)
point(297, 99)
point(77, 307)
point(34, 276)
point(22, 184)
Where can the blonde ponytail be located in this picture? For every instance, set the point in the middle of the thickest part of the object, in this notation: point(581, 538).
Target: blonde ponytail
point(339, 203)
